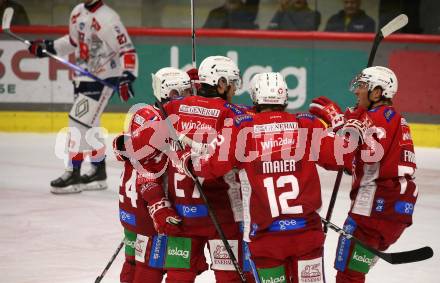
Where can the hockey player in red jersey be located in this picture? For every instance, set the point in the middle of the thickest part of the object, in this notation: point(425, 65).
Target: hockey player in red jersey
point(383, 191)
point(144, 209)
point(102, 46)
point(200, 117)
point(279, 182)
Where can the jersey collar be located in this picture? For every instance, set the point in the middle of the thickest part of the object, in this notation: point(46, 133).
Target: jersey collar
point(95, 6)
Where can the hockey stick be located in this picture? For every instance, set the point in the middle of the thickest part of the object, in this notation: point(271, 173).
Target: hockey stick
point(211, 213)
point(6, 24)
point(107, 267)
point(395, 24)
point(193, 36)
point(393, 257)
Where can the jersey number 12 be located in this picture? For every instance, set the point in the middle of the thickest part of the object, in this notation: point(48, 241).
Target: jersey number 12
point(281, 182)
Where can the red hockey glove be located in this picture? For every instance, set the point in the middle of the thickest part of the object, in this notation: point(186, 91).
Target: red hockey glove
point(165, 218)
point(357, 123)
point(119, 147)
point(327, 110)
point(194, 77)
point(37, 46)
point(125, 86)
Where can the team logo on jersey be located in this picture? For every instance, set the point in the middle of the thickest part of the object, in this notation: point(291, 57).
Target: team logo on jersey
point(198, 110)
point(81, 25)
point(389, 114)
point(275, 127)
point(219, 254)
point(310, 270)
point(141, 247)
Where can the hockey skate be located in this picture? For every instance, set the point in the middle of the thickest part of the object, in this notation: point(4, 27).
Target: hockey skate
point(95, 179)
point(68, 183)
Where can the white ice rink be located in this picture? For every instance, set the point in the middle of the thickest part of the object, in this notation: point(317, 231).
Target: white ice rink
point(47, 238)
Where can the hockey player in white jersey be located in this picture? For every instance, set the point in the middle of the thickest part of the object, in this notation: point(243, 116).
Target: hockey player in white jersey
point(103, 47)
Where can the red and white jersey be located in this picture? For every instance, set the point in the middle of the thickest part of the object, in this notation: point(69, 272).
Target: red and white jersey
point(200, 119)
point(384, 186)
point(142, 181)
point(279, 180)
point(100, 41)
point(133, 211)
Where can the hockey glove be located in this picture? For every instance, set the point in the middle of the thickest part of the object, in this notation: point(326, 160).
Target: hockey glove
point(125, 86)
point(119, 147)
point(165, 218)
point(37, 46)
point(327, 110)
point(194, 77)
point(357, 123)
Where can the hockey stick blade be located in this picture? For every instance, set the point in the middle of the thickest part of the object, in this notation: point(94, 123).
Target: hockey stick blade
point(407, 256)
point(395, 24)
point(7, 17)
point(393, 257)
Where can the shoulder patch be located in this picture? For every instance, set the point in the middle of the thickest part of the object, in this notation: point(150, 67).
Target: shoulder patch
point(234, 108)
point(242, 118)
point(389, 114)
point(138, 119)
point(306, 116)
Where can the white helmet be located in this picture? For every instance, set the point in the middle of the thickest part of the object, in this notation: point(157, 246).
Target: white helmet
point(167, 79)
point(268, 88)
point(215, 67)
point(377, 76)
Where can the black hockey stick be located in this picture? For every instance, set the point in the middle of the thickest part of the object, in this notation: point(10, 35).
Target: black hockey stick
point(107, 267)
point(395, 24)
point(211, 213)
point(193, 36)
point(393, 257)
point(6, 24)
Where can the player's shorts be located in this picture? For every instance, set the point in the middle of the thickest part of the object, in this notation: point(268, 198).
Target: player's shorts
point(352, 260)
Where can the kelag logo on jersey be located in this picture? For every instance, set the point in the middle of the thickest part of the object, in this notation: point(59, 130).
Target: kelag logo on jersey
point(272, 275)
point(178, 252)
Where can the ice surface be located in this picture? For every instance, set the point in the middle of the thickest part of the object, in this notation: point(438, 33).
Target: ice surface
point(49, 238)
